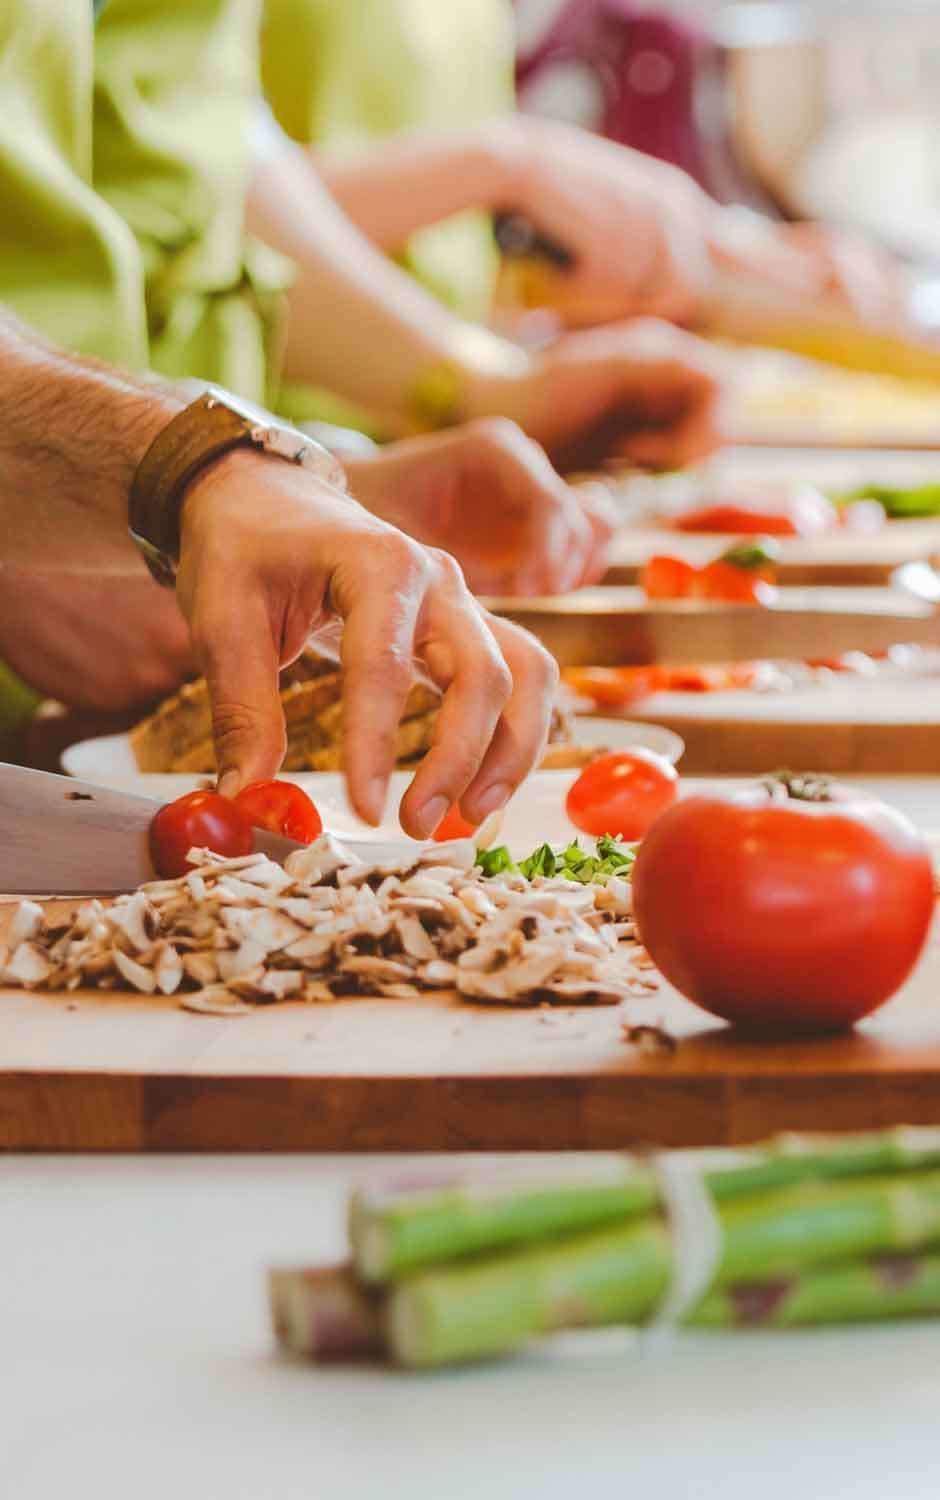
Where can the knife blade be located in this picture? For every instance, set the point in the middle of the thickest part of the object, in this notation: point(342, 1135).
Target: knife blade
point(63, 837)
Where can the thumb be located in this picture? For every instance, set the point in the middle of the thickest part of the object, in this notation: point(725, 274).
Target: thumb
point(241, 665)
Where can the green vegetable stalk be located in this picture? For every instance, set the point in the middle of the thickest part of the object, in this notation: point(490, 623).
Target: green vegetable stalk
point(395, 1233)
point(879, 1288)
point(324, 1313)
point(619, 1274)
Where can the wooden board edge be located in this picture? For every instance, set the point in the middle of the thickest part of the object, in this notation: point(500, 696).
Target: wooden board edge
point(99, 1112)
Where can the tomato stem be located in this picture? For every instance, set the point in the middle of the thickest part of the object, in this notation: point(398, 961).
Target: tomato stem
point(798, 786)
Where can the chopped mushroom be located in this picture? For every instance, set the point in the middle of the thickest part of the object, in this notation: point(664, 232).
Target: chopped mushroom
point(236, 933)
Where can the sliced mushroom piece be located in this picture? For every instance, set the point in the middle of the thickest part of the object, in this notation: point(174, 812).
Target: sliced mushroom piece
point(215, 1001)
point(382, 970)
point(476, 901)
point(270, 929)
point(316, 991)
point(28, 966)
point(201, 967)
point(309, 908)
point(136, 975)
point(490, 987)
point(136, 919)
point(26, 924)
point(414, 939)
point(167, 969)
point(578, 992)
point(249, 955)
point(323, 857)
point(438, 974)
point(313, 948)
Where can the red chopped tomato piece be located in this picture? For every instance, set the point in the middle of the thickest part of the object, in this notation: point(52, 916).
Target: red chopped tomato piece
point(667, 578)
point(281, 807)
point(453, 825)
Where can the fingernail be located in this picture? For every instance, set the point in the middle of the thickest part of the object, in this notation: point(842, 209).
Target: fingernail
point(376, 793)
point(492, 797)
point(431, 814)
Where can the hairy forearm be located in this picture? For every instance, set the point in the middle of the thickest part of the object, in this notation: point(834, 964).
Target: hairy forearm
point(396, 186)
point(72, 432)
point(358, 325)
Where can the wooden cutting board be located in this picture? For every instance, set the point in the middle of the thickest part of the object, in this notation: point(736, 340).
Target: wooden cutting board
point(115, 1072)
point(852, 726)
point(618, 626)
point(840, 558)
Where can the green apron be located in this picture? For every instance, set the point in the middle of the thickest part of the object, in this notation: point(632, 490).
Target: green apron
point(123, 154)
point(341, 74)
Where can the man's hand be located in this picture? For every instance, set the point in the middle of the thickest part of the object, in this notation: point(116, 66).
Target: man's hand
point(268, 554)
point(488, 494)
point(643, 391)
point(108, 644)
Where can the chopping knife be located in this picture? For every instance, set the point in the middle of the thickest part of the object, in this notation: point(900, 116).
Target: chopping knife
point(63, 837)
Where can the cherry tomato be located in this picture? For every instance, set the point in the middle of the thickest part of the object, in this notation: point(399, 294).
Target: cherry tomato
point(711, 679)
point(200, 820)
point(453, 825)
point(614, 687)
point(799, 510)
point(726, 582)
point(667, 578)
point(622, 793)
point(784, 914)
point(280, 807)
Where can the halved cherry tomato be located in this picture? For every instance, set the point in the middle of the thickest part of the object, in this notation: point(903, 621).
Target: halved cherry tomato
point(453, 825)
point(667, 578)
point(614, 687)
point(726, 582)
point(745, 574)
point(784, 914)
point(281, 807)
point(622, 793)
point(710, 679)
point(200, 820)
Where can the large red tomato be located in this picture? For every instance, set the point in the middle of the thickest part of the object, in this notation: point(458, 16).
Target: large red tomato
point(784, 913)
point(200, 820)
point(621, 793)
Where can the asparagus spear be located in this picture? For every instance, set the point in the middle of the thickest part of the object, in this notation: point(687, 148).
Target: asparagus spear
point(619, 1274)
point(393, 1233)
point(324, 1314)
point(492, 1306)
point(396, 1233)
point(881, 1287)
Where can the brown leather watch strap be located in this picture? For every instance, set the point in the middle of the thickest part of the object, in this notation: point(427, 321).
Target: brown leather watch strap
point(201, 432)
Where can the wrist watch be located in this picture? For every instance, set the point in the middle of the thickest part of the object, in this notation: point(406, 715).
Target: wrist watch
point(211, 425)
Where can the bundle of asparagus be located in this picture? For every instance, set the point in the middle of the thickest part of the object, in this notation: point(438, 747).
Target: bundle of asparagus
point(808, 1230)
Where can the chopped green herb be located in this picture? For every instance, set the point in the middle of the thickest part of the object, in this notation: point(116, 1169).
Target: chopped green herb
point(611, 857)
point(496, 861)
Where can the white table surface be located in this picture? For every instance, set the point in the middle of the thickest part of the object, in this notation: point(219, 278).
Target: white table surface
point(135, 1362)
